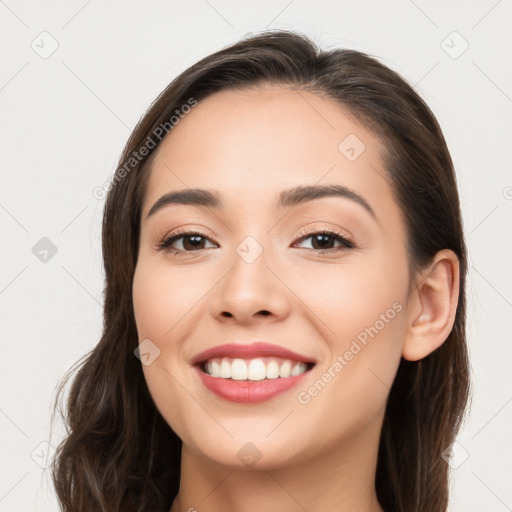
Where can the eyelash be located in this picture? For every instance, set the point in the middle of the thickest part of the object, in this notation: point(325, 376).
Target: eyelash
point(166, 243)
point(346, 243)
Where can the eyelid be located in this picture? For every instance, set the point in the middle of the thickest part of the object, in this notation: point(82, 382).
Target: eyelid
point(313, 230)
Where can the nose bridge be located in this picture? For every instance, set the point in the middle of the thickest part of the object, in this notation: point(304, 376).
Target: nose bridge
point(250, 287)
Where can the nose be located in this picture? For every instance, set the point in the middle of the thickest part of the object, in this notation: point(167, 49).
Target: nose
point(250, 292)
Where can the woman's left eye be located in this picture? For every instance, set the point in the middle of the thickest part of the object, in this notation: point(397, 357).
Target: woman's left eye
point(326, 241)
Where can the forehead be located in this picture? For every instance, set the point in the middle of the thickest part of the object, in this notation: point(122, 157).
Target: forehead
point(250, 144)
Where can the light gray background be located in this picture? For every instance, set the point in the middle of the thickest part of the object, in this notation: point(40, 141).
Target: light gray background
point(66, 117)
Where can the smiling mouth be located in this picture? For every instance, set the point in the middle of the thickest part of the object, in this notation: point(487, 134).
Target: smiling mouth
point(254, 369)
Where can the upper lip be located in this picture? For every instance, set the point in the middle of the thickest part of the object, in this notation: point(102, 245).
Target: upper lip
point(251, 351)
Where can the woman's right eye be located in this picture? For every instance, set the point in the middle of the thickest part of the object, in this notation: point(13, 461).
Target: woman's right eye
point(181, 243)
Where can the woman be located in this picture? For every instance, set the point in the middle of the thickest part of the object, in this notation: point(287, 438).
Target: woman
point(284, 319)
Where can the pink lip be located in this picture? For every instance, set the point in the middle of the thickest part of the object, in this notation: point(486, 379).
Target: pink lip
point(257, 349)
point(246, 390)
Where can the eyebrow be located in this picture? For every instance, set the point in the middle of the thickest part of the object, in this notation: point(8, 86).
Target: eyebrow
point(287, 198)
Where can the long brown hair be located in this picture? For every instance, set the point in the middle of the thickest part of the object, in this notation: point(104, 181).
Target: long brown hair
point(120, 454)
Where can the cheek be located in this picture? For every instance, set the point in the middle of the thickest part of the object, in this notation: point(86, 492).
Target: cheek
point(362, 312)
point(350, 389)
point(158, 309)
point(162, 297)
point(348, 300)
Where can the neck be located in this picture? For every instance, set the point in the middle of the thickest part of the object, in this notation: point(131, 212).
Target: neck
point(338, 479)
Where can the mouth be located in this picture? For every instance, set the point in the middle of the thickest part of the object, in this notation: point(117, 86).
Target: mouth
point(257, 369)
point(250, 373)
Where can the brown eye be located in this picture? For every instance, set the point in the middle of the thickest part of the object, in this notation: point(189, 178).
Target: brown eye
point(185, 242)
point(326, 241)
point(322, 241)
point(193, 242)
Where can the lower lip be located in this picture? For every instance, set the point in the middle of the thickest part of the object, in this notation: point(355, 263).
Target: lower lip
point(248, 391)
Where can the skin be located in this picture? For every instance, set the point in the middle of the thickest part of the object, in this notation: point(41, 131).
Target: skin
point(249, 146)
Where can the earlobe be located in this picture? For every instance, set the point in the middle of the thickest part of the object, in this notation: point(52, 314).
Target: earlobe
point(434, 304)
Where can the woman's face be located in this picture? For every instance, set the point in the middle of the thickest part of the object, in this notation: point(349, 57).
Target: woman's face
point(322, 274)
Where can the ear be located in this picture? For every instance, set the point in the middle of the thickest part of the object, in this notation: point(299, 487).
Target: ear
point(433, 304)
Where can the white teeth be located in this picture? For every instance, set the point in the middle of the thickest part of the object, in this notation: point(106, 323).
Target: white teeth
point(215, 368)
point(285, 370)
point(298, 369)
point(225, 369)
point(272, 370)
point(238, 369)
point(254, 369)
